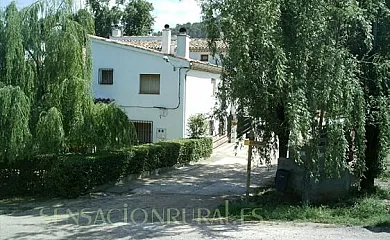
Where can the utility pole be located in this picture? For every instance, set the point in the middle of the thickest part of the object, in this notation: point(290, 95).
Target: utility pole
point(249, 166)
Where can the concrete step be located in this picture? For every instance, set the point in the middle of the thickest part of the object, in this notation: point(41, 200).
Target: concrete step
point(219, 141)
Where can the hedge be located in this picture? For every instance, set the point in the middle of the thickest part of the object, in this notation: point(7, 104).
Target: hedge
point(74, 174)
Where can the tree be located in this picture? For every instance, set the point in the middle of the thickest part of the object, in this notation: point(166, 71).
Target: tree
point(103, 17)
point(375, 79)
point(197, 126)
point(289, 65)
point(13, 70)
point(50, 133)
point(195, 30)
point(137, 18)
point(14, 130)
point(135, 15)
point(46, 104)
point(84, 18)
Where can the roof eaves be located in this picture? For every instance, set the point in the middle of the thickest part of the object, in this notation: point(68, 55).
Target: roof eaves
point(196, 65)
point(205, 67)
point(127, 44)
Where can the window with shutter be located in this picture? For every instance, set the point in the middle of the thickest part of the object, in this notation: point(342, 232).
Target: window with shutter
point(149, 84)
point(144, 131)
point(106, 76)
point(204, 58)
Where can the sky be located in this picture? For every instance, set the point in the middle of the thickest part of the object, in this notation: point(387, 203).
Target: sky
point(170, 12)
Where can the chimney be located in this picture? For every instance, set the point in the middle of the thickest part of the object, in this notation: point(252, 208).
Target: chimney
point(183, 44)
point(116, 32)
point(166, 40)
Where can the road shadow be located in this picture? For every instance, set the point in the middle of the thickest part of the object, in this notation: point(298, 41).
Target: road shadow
point(126, 231)
point(383, 227)
point(187, 199)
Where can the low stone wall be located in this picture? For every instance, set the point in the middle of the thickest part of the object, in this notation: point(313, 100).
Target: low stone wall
point(321, 190)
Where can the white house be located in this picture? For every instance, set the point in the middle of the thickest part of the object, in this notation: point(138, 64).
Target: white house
point(158, 90)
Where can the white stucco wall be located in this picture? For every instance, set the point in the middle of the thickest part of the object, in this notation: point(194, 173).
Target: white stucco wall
point(199, 96)
point(128, 63)
point(213, 60)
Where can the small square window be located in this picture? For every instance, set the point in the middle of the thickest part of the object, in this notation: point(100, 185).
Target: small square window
point(149, 84)
point(204, 57)
point(106, 76)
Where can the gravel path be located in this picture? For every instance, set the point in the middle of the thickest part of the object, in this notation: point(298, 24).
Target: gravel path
point(170, 206)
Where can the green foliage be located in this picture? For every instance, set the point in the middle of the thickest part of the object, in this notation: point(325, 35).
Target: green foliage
point(195, 30)
point(28, 176)
point(13, 68)
point(137, 18)
point(134, 14)
point(303, 69)
point(103, 16)
point(84, 18)
point(270, 205)
point(197, 126)
point(72, 175)
point(50, 136)
point(170, 152)
point(113, 128)
point(194, 149)
point(45, 75)
point(14, 130)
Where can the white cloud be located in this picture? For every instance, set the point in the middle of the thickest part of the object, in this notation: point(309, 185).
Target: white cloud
point(174, 12)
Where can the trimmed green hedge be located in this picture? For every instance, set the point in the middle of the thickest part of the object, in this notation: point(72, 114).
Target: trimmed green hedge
point(74, 174)
point(25, 176)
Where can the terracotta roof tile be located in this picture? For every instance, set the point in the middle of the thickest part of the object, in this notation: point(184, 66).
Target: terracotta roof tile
point(202, 65)
point(196, 44)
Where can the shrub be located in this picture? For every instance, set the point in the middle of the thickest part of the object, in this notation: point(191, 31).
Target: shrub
point(138, 161)
point(197, 126)
point(112, 127)
point(194, 149)
point(72, 175)
point(171, 153)
point(50, 136)
point(14, 123)
point(25, 176)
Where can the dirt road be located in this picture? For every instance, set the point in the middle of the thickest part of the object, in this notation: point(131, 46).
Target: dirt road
point(174, 205)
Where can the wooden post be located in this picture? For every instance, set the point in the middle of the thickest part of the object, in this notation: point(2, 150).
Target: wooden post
point(249, 166)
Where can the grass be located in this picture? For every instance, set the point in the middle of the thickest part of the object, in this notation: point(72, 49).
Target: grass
point(385, 177)
point(270, 205)
point(368, 210)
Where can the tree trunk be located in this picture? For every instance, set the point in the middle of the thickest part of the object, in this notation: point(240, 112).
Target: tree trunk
point(283, 133)
point(305, 196)
point(283, 137)
point(367, 183)
point(305, 188)
point(372, 158)
point(229, 128)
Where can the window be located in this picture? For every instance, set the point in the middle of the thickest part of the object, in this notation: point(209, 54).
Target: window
point(149, 84)
point(106, 76)
point(204, 57)
point(144, 131)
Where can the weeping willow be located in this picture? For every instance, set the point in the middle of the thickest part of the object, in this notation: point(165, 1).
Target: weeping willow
point(296, 67)
point(45, 54)
point(14, 130)
point(325, 93)
point(50, 134)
